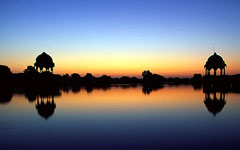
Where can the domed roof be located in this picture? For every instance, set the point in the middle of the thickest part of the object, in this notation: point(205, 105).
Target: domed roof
point(214, 62)
point(44, 60)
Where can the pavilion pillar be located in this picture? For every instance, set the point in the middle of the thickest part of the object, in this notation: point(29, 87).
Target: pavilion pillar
point(215, 72)
point(224, 71)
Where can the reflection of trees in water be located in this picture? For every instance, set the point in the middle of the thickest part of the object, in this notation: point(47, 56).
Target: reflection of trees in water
point(88, 89)
point(5, 96)
point(214, 99)
point(31, 95)
point(214, 102)
point(197, 87)
point(76, 89)
point(45, 100)
point(149, 89)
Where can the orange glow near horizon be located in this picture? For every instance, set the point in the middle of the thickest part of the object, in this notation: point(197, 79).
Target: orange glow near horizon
point(117, 65)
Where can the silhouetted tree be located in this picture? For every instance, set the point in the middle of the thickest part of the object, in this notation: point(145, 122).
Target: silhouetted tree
point(104, 80)
point(89, 76)
point(146, 75)
point(158, 78)
point(66, 80)
point(197, 81)
point(153, 79)
point(75, 79)
point(75, 76)
point(89, 79)
point(5, 71)
point(5, 76)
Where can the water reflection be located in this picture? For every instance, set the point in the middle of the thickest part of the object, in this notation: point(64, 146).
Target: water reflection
point(45, 101)
point(45, 106)
point(5, 96)
point(214, 98)
point(31, 95)
point(214, 103)
point(133, 117)
point(148, 89)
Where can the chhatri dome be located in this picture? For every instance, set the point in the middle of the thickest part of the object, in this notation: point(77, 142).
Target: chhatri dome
point(44, 61)
point(215, 62)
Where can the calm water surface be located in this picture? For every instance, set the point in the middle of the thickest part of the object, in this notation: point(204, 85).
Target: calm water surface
point(121, 118)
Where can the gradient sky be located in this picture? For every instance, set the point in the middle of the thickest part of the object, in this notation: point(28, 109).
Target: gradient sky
point(120, 37)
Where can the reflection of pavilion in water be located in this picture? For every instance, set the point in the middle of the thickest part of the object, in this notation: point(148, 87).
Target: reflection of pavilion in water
point(45, 106)
point(214, 101)
point(45, 102)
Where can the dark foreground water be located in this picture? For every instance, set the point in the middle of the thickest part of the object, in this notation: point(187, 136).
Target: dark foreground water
point(121, 118)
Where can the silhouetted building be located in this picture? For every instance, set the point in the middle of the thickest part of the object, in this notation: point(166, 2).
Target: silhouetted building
point(213, 103)
point(215, 62)
point(44, 61)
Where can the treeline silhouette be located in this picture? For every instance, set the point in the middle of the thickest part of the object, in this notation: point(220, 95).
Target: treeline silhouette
point(31, 78)
point(37, 86)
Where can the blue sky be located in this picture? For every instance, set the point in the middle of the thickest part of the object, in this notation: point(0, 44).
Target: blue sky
point(111, 28)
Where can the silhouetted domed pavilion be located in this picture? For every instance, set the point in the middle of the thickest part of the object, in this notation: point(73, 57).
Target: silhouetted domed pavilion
point(215, 62)
point(44, 61)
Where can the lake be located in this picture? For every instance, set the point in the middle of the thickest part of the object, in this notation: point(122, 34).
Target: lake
point(121, 117)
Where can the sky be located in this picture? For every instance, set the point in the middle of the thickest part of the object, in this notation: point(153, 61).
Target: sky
point(120, 37)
